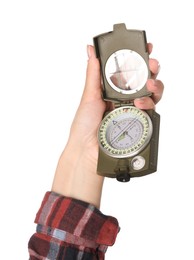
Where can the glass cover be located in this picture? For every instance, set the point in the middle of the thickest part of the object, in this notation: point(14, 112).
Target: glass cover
point(126, 71)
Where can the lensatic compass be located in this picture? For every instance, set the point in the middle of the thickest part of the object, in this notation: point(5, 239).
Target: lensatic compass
point(128, 137)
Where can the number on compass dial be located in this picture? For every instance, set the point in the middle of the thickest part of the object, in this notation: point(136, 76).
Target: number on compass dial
point(125, 132)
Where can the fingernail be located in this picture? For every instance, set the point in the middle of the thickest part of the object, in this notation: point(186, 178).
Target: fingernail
point(159, 67)
point(141, 100)
point(88, 51)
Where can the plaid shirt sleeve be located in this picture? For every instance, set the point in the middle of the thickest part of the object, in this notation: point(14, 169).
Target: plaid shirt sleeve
point(71, 229)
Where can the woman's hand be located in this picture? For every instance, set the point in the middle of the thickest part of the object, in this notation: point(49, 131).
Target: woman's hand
point(76, 171)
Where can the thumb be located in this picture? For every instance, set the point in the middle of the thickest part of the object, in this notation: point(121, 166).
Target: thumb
point(92, 88)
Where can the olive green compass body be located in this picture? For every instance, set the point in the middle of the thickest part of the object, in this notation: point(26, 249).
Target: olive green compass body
point(128, 137)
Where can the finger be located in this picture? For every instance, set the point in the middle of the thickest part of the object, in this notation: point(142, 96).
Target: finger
point(154, 66)
point(150, 47)
point(144, 103)
point(156, 87)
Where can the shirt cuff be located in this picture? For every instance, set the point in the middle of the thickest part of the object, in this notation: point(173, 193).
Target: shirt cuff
point(75, 221)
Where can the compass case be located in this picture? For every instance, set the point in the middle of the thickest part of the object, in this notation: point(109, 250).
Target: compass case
point(123, 56)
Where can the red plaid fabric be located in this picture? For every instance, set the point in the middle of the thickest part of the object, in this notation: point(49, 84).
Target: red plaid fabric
point(71, 229)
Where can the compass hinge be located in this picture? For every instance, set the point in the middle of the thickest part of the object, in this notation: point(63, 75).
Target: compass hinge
point(125, 103)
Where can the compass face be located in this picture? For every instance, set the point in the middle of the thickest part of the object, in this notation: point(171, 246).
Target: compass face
point(124, 132)
point(126, 71)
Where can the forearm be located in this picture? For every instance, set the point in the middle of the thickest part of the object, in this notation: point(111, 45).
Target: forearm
point(76, 176)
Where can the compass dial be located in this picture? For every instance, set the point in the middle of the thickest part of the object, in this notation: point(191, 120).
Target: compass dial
point(124, 132)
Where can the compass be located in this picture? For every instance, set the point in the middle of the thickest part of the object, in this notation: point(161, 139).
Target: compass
point(128, 137)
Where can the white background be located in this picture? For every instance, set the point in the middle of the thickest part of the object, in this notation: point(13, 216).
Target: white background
point(42, 73)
